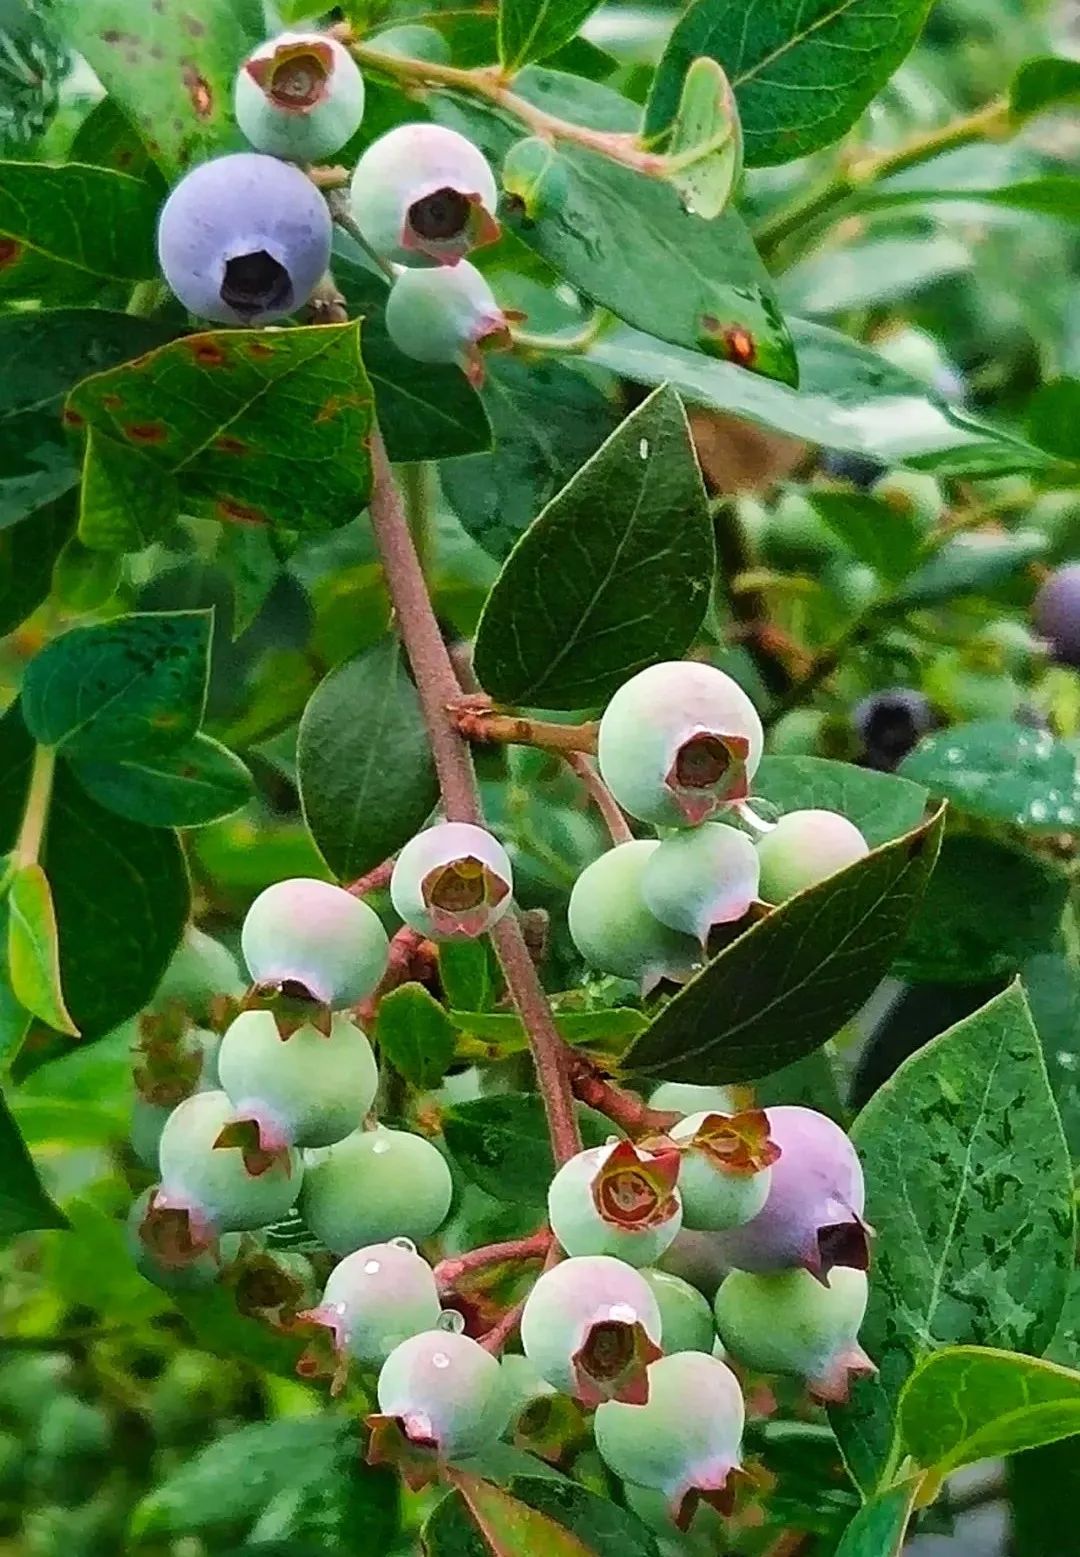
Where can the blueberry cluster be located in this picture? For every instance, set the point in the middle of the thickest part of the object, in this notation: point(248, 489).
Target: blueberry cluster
point(679, 745)
point(246, 238)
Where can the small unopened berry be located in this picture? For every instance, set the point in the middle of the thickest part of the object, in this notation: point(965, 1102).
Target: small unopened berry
point(678, 742)
point(174, 1246)
point(536, 177)
point(244, 239)
point(218, 1178)
point(310, 1089)
point(452, 881)
point(804, 848)
point(1057, 613)
point(421, 193)
point(373, 1186)
point(445, 1392)
point(813, 1215)
point(447, 316)
point(686, 1320)
point(789, 1322)
point(374, 1299)
point(316, 941)
point(701, 878)
point(300, 95)
point(591, 1326)
point(726, 1168)
point(684, 1440)
point(612, 927)
point(617, 1200)
point(912, 494)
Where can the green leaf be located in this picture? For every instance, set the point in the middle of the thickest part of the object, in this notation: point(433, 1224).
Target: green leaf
point(971, 1403)
point(187, 786)
point(84, 581)
point(848, 398)
point(219, 412)
point(501, 1143)
point(1056, 195)
point(885, 538)
point(605, 1528)
point(706, 141)
point(870, 273)
point(1052, 984)
point(465, 974)
point(955, 939)
point(416, 1035)
point(24, 1205)
point(1052, 417)
point(788, 984)
point(1002, 771)
point(33, 951)
point(802, 70)
point(613, 576)
point(534, 29)
point(126, 501)
point(107, 140)
point(367, 778)
point(625, 241)
point(481, 1520)
point(879, 1527)
point(14, 1018)
point(548, 419)
point(610, 1030)
point(169, 65)
point(66, 229)
point(28, 553)
point(120, 689)
point(970, 1192)
point(1044, 83)
point(881, 805)
point(968, 565)
point(425, 411)
point(33, 63)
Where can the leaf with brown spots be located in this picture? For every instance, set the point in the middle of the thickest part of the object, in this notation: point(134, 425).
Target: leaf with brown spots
point(229, 416)
point(126, 501)
point(65, 232)
point(169, 66)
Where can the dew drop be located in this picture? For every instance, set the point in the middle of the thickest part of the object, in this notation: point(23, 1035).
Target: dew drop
point(372, 1267)
point(1038, 811)
point(382, 1145)
point(954, 755)
point(451, 1320)
point(1067, 815)
point(643, 448)
point(612, 1140)
point(623, 1313)
point(339, 1310)
point(440, 1360)
point(403, 1243)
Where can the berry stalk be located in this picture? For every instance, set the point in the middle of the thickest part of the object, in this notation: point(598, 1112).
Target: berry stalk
point(438, 688)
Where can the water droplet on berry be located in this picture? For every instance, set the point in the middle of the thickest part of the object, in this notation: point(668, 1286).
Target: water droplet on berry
point(381, 1145)
point(440, 1360)
point(372, 1267)
point(623, 1313)
point(452, 1320)
point(403, 1243)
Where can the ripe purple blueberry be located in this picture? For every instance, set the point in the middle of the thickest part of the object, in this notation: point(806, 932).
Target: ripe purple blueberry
point(447, 316)
point(300, 95)
point(452, 881)
point(311, 1089)
point(373, 1186)
point(788, 1322)
point(803, 848)
point(612, 927)
point(617, 1200)
point(314, 942)
point(442, 1392)
point(678, 742)
point(701, 878)
point(890, 723)
point(591, 1326)
point(813, 1215)
point(374, 1299)
point(423, 193)
point(215, 1179)
point(726, 1168)
point(684, 1440)
point(1057, 613)
point(244, 239)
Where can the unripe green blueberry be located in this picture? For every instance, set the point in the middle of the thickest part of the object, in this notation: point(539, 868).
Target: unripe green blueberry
point(447, 316)
point(445, 1391)
point(686, 1320)
point(913, 494)
point(685, 1439)
point(701, 878)
point(854, 585)
point(523, 1386)
point(813, 1215)
point(313, 939)
point(452, 881)
point(917, 352)
point(374, 1299)
point(796, 536)
point(697, 1259)
point(678, 742)
point(147, 1122)
point(804, 848)
point(176, 1251)
point(686, 1097)
point(790, 1322)
point(726, 1168)
point(591, 1326)
point(422, 193)
point(300, 96)
point(797, 733)
point(310, 1089)
point(373, 1186)
point(613, 929)
point(536, 177)
point(216, 1177)
point(963, 685)
point(200, 972)
point(616, 1200)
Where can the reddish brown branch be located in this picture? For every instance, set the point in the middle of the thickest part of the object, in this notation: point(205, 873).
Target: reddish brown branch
point(449, 1272)
point(601, 796)
point(376, 880)
point(623, 1108)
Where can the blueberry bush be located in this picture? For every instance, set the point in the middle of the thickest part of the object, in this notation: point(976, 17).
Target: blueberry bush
point(539, 778)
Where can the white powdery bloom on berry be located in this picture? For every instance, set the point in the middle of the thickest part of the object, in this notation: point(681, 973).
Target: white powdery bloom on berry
point(452, 882)
point(726, 1167)
point(447, 316)
point(617, 1200)
point(373, 1300)
point(237, 1185)
point(591, 1326)
point(613, 928)
point(444, 1392)
point(373, 1186)
point(312, 939)
point(792, 1322)
point(804, 848)
point(701, 878)
point(299, 95)
point(423, 193)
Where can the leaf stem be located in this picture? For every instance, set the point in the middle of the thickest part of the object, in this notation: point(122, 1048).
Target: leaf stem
point(438, 689)
point(338, 202)
point(601, 796)
point(571, 344)
point(36, 811)
point(449, 1272)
